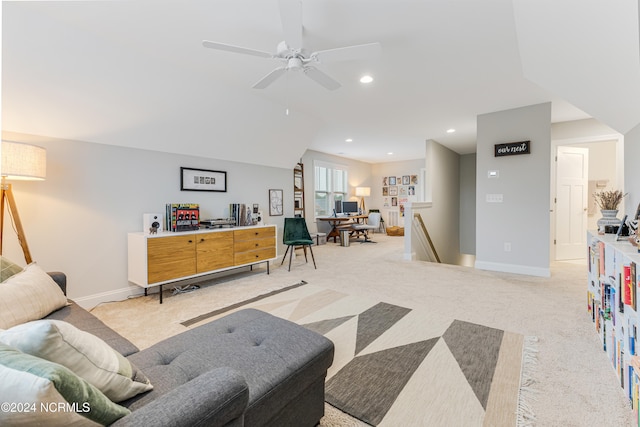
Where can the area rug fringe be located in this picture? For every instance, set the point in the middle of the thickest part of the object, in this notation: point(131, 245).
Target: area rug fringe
point(527, 391)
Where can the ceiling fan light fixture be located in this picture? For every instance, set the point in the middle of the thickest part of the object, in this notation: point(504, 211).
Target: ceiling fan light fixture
point(366, 79)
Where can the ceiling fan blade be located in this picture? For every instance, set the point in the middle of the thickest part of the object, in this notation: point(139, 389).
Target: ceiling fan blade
point(321, 78)
point(270, 78)
point(361, 51)
point(235, 49)
point(291, 17)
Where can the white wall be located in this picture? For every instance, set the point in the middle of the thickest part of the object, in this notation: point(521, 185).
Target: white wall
point(522, 219)
point(77, 220)
point(397, 169)
point(632, 170)
point(602, 167)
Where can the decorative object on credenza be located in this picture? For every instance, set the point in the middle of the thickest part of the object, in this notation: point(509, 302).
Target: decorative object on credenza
point(275, 203)
point(202, 180)
point(241, 214)
point(152, 222)
point(19, 162)
point(608, 202)
point(182, 216)
point(218, 222)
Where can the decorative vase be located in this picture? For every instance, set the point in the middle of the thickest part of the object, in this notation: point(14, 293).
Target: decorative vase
point(609, 217)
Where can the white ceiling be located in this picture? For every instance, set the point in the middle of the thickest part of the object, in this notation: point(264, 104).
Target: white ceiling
point(134, 73)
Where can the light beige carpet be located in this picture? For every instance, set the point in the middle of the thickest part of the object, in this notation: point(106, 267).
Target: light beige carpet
point(388, 358)
point(573, 380)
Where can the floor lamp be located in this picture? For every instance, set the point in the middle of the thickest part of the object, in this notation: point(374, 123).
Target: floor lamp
point(19, 162)
point(363, 192)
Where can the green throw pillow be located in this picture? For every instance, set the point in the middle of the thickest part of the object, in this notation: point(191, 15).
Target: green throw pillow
point(8, 268)
point(35, 391)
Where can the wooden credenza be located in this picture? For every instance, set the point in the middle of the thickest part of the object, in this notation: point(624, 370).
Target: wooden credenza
point(157, 259)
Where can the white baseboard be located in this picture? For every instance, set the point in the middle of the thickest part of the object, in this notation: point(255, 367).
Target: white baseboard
point(121, 294)
point(513, 268)
point(411, 256)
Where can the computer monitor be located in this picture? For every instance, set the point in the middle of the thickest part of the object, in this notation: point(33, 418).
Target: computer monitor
point(338, 207)
point(349, 207)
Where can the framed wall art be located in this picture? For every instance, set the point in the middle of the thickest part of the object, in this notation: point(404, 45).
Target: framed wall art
point(202, 180)
point(275, 203)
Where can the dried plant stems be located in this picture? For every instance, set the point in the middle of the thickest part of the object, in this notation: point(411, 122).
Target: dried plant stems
point(609, 200)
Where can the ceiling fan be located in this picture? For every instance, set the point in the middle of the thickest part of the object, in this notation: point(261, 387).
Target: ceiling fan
point(294, 56)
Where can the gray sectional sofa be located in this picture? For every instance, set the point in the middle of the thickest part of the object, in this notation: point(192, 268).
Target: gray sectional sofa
point(248, 368)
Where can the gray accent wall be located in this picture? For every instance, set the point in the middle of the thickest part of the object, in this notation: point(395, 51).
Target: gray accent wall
point(442, 188)
point(514, 235)
point(77, 220)
point(468, 204)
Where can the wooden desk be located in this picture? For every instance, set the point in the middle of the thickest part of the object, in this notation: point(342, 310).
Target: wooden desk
point(338, 222)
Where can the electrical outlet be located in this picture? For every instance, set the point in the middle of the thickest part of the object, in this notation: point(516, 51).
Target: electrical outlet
point(507, 246)
point(494, 198)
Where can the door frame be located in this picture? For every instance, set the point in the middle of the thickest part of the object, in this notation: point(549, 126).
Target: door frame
point(555, 143)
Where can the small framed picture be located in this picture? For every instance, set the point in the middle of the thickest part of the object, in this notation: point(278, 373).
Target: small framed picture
point(405, 180)
point(393, 190)
point(392, 180)
point(202, 180)
point(275, 203)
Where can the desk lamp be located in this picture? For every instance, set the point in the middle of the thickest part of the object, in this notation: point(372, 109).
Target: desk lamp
point(19, 162)
point(363, 192)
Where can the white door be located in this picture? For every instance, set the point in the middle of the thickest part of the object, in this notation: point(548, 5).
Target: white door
point(572, 180)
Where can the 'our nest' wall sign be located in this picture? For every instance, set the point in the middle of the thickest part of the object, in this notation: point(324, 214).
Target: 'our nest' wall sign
point(512, 148)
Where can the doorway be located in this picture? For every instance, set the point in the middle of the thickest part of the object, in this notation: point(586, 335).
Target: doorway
point(581, 169)
point(572, 181)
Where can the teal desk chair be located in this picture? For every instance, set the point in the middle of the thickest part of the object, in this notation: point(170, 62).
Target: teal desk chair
point(296, 234)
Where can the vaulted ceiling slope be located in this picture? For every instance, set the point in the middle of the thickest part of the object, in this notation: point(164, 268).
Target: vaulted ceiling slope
point(135, 73)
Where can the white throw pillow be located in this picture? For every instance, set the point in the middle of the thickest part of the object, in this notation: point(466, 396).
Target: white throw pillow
point(29, 295)
point(34, 391)
point(85, 354)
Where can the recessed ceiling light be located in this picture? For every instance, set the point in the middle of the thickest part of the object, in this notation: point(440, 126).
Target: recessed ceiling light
point(366, 79)
point(451, 130)
point(390, 153)
point(348, 140)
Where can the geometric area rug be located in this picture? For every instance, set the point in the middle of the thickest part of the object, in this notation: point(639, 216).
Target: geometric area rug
point(396, 366)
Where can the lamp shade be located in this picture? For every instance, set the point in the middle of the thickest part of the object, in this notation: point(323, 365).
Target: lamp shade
point(363, 191)
point(23, 161)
